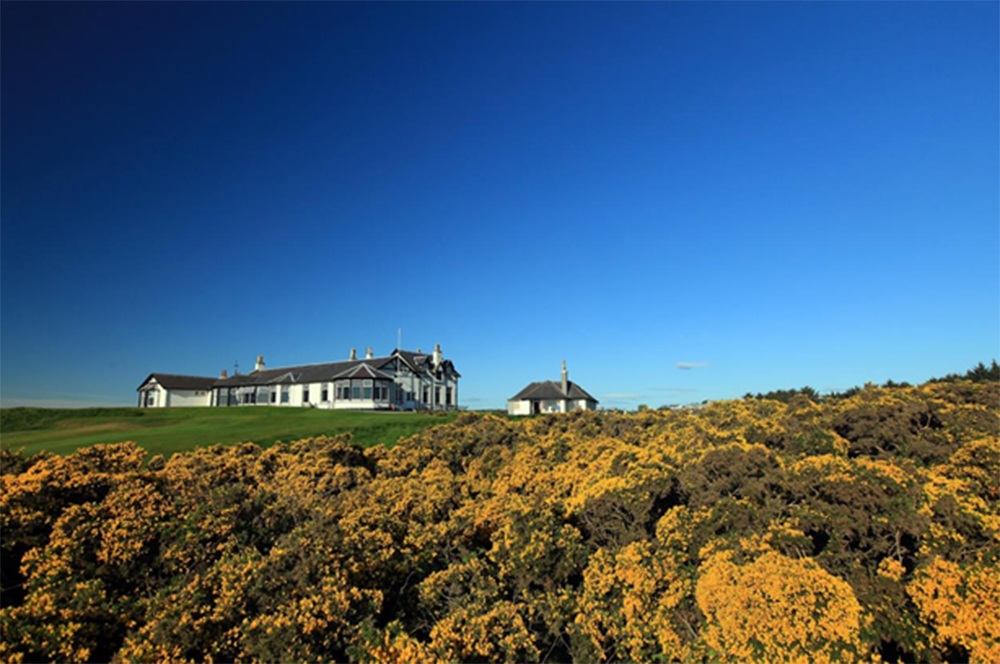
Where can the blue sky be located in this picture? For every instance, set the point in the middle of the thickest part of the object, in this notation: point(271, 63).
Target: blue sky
point(779, 194)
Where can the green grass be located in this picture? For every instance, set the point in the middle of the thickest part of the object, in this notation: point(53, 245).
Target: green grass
point(168, 430)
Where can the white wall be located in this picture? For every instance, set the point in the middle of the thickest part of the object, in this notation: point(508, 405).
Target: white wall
point(182, 398)
point(159, 395)
point(315, 395)
point(523, 406)
point(520, 407)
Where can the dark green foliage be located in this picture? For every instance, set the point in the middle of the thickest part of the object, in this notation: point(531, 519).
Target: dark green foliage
point(909, 429)
point(978, 374)
point(785, 396)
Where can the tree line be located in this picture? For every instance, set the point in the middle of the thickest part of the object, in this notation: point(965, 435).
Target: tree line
point(978, 374)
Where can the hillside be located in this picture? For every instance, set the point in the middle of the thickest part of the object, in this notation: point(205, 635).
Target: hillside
point(169, 430)
point(864, 527)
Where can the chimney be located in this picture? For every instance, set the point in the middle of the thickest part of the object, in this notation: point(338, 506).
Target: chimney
point(354, 354)
point(260, 363)
point(369, 354)
point(565, 380)
point(419, 352)
point(438, 357)
point(225, 374)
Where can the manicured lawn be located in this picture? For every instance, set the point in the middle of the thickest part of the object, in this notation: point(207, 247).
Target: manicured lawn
point(168, 430)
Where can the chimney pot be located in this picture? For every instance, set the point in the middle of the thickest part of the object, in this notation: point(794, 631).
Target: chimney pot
point(225, 374)
point(369, 355)
point(354, 354)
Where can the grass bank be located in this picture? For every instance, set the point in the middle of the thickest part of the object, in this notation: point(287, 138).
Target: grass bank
point(168, 430)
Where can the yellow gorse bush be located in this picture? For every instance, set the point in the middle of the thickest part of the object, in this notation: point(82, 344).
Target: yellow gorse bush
point(851, 529)
point(778, 609)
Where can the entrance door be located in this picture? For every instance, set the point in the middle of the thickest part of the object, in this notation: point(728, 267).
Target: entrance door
point(536, 407)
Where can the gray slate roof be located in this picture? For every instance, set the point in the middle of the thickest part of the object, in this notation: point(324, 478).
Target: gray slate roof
point(177, 382)
point(363, 371)
point(327, 371)
point(550, 389)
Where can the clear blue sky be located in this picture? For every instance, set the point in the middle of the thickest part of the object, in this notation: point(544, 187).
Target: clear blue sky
point(780, 193)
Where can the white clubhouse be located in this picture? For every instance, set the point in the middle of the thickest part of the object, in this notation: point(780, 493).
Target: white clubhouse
point(402, 380)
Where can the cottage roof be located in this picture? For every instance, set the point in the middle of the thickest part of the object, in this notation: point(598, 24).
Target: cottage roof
point(178, 382)
point(550, 389)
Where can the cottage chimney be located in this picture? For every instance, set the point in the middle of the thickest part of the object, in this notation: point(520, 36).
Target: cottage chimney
point(260, 363)
point(354, 354)
point(565, 380)
point(419, 352)
point(225, 374)
point(369, 355)
point(438, 357)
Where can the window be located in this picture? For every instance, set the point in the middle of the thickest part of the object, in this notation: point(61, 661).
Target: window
point(305, 394)
point(274, 397)
point(284, 394)
point(437, 395)
point(325, 394)
point(381, 392)
point(447, 396)
point(355, 391)
point(367, 385)
point(427, 395)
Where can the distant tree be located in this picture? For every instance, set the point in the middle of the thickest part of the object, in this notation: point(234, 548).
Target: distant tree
point(786, 396)
point(892, 383)
point(981, 374)
point(978, 374)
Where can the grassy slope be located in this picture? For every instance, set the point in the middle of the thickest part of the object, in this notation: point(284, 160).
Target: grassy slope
point(169, 430)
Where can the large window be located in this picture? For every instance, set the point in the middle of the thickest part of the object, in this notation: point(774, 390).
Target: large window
point(447, 396)
point(305, 394)
point(325, 394)
point(437, 395)
point(274, 397)
point(427, 394)
point(367, 388)
point(284, 394)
